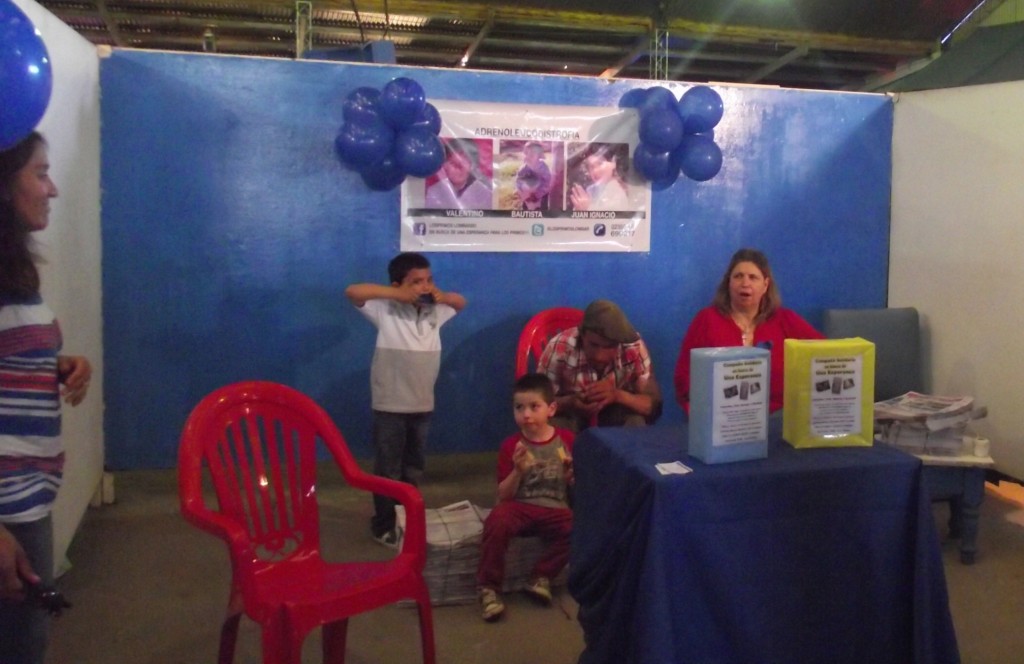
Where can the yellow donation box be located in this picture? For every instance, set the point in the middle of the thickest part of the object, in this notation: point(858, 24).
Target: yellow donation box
point(829, 393)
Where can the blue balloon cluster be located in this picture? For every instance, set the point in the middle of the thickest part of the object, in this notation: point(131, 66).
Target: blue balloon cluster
point(676, 136)
point(25, 77)
point(389, 134)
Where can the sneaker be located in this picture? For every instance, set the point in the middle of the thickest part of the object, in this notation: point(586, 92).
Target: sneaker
point(539, 589)
point(389, 538)
point(491, 606)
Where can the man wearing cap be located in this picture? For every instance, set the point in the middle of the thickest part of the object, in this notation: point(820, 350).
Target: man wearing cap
point(602, 372)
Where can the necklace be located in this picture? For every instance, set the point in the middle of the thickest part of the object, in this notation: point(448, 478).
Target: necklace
point(746, 330)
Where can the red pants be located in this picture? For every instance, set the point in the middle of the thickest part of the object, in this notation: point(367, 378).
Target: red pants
point(514, 519)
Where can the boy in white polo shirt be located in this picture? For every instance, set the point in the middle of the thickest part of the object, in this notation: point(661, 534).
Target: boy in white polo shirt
point(408, 316)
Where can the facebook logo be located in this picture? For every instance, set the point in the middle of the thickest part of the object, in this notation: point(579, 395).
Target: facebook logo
point(419, 228)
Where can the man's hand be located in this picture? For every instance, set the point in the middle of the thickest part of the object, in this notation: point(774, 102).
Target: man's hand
point(581, 405)
point(601, 394)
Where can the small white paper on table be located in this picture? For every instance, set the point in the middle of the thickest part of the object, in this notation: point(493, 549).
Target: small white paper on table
point(674, 468)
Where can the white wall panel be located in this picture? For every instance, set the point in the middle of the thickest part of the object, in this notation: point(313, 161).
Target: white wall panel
point(957, 246)
point(71, 249)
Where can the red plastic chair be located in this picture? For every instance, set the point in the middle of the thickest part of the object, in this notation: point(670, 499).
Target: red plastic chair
point(539, 330)
point(258, 441)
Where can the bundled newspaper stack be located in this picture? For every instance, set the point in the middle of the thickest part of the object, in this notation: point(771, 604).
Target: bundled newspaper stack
point(453, 553)
point(925, 423)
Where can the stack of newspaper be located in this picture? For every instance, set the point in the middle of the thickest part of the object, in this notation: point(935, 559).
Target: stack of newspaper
point(453, 553)
point(925, 423)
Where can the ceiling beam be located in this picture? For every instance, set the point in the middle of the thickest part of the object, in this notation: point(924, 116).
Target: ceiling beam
point(640, 47)
point(497, 35)
point(881, 81)
point(776, 64)
point(794, 39)
point(475, 44)
point(126, 21)
point(974, 20)
point(470, 13)
point(112, 28)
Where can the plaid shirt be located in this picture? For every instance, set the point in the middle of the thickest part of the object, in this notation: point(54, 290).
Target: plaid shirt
point(564, 362)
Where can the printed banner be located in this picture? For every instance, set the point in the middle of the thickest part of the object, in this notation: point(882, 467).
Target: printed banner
point(530, 178)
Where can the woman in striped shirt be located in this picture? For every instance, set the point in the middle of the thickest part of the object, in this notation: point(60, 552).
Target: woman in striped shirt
point(33, 378)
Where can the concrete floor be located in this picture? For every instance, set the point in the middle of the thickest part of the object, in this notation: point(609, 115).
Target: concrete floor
point(148, 588)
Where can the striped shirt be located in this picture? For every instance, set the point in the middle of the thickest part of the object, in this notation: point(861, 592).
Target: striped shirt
point(31, 456)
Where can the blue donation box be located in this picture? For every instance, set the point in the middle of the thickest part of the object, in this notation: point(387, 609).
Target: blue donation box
point(729, 389)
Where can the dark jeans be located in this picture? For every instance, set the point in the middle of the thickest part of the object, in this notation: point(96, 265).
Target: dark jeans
point(615, 415)
point(24, 629)
point(400, 442)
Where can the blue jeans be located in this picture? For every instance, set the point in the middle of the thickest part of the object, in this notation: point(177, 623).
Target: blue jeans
point(24, 629)
point(400, 442)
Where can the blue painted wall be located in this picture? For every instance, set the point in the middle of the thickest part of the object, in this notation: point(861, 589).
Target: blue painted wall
point(230, 232)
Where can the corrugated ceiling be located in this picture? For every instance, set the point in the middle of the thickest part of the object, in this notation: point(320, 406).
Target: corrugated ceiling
point(834, 44)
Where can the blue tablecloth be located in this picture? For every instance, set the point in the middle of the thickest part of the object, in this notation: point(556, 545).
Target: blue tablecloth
point(812, 555)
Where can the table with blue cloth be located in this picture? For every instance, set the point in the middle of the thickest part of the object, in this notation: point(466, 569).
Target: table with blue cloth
point(824, 555)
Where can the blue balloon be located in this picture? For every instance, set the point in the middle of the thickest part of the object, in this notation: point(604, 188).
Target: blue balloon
point(659, 97)
point(701, 108)
point(361, 144)
point(360, 104)
point(665, 183)
point(700, 158)
point(401, 102)
point(655, 164)
point(25, 76)
point(384, 175)
point(419, 152)
point(633, 99)
point(660, 127)
point(430, 118)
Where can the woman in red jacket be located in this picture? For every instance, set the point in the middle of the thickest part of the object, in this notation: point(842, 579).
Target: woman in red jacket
point(746, 311)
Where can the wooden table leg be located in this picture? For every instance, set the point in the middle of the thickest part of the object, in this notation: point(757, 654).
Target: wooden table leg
point(964, 487)
point(970, 510)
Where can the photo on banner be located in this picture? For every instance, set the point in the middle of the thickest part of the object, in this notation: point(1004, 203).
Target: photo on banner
point(530, 178)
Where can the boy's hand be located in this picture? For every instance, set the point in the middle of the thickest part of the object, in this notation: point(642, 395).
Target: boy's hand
point(406, 293)
point(523, 458)
point(452, 299)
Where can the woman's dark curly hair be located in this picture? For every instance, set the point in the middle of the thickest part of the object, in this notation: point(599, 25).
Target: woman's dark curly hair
point(19, 277)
